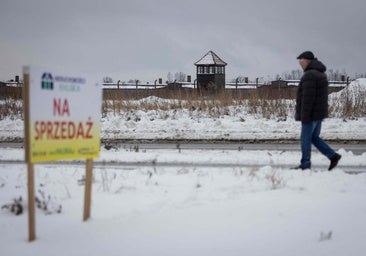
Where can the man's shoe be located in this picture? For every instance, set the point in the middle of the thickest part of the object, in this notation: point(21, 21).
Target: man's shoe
point(334, 161)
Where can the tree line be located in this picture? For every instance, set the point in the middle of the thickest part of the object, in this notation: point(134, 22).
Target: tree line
point(177, 77)
point(333, 75)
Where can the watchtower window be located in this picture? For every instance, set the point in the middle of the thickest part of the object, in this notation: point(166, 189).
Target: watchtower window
point(200, 70)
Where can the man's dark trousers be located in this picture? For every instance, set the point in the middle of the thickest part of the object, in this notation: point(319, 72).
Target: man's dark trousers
point(310, 135)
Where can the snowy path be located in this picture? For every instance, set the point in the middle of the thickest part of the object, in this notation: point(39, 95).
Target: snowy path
point(134, 155)
point(356, 147)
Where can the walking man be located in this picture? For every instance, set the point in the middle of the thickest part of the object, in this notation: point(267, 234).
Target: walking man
point(312, 108)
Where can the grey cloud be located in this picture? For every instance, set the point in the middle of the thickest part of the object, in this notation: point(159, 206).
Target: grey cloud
point(147, 39)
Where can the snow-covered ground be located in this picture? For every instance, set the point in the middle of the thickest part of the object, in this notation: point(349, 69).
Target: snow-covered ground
point(212, 202)
point(190, 210)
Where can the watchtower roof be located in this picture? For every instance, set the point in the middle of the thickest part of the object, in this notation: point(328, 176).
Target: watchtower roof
point(210, 58)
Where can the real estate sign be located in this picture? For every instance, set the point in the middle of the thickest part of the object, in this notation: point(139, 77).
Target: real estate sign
point(64, 116)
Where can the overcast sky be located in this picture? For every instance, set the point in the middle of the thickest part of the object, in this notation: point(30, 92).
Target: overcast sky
point(146, 39)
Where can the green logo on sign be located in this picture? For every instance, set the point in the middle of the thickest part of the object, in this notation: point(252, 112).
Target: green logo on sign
point(47, 81)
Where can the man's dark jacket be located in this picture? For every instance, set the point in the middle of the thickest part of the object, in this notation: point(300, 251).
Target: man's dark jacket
point(312, 94)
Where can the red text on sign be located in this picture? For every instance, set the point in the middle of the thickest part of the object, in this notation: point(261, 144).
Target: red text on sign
point(61, 107)
point(62, 130)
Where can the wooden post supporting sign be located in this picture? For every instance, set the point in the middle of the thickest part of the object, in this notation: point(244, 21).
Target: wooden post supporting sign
point(31, 203)
point(88, 188)
point(30, 166)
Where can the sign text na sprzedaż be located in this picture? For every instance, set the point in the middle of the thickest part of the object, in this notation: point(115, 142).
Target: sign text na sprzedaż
point(62, 130)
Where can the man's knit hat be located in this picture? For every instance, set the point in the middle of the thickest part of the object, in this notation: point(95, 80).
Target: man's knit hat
point(306, 55)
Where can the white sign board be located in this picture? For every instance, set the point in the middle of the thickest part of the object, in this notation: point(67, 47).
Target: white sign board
point(65, 113)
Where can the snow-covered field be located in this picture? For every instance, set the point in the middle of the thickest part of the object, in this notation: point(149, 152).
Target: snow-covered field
point(212, 202)
point(236, 124)
point(190, 210)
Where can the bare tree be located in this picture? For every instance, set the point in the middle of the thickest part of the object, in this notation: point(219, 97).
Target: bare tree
point(170, 77)
point(180, 77)
point(107, 79)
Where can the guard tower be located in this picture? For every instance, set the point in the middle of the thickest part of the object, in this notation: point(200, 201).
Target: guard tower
point(210, 72)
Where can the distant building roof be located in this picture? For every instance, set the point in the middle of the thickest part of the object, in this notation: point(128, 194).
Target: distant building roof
point(211, 58)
